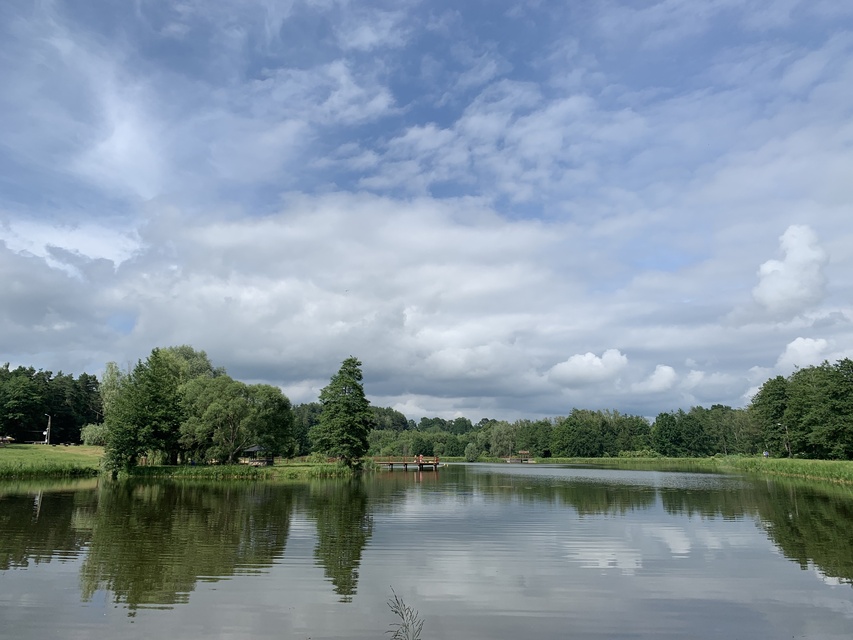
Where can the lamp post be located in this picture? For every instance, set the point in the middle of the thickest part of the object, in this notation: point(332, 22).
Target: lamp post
point(47, 433)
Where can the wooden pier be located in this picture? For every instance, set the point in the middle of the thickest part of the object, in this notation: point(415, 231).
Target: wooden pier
point(429, 464)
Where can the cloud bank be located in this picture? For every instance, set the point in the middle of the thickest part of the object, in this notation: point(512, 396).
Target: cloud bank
point(606, 208)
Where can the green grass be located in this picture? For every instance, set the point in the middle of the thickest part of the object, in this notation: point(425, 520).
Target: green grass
point(837, 471)
point(285, 470)
point(22, 461)
point(291, 470)
point(213, 472)
point(42, 461)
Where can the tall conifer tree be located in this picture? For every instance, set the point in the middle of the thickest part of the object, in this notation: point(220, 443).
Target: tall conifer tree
point(346, 419)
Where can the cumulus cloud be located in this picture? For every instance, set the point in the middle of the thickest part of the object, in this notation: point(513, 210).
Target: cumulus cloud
point(585, 369)
point(662, 379)
point(802, 352)
point(321, 179)
point(795, 283)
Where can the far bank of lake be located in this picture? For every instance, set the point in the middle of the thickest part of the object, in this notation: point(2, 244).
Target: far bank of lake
point(40, 461)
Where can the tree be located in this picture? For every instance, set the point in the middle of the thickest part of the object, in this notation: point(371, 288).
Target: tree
point(504, 439)
point(388, 418)
point(110, 385)
point(471, 452)
point(193, 364)
point(146, 413)
point(305, 417)
point(769, 405)
point(225, 417)
point(345, 420)
point(218, 422)
point(666, 435)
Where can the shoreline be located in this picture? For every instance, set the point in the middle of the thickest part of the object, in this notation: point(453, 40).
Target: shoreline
point(25, 462)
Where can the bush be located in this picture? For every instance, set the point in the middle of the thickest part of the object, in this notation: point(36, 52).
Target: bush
point(642, 453)
point(471, 452)
point(94, 434)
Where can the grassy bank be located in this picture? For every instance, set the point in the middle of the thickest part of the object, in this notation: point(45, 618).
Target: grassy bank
point(280, 471)
point(22, 461)
point(837, 471)
point(42, 461)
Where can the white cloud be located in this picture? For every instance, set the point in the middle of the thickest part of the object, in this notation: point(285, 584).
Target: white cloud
point(802, 352)
point(333, 178)
point(662, 379)
point(795, 283)
point(372, 30)
point(586, 369)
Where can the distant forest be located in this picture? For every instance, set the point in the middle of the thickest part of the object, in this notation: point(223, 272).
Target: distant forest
point(809, 414)
point(28, 397)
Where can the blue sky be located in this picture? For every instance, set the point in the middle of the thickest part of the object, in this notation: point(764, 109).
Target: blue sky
point(503, 209)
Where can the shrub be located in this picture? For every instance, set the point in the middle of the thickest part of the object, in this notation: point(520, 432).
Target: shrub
point(94, 434)
point(471, 452)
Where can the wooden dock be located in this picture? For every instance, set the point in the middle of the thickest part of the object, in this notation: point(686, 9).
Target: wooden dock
point(408, 463)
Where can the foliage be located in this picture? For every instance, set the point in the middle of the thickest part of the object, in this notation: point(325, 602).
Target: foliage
point(642, 453)
point(471, 452)
point(768, 407)
point(28, 397)
point(410, 625)
point(346, 420)
point(94, 434)
point(176, 406)
point(305, 416)
point(214, 472)
point(809, 414)
point(224, 417)
point(388, 418)
point(146, 412)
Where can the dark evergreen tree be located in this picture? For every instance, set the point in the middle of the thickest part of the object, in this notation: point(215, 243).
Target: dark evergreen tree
point(345, 420)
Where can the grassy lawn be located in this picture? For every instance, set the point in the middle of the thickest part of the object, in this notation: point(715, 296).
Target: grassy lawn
point(38, 460)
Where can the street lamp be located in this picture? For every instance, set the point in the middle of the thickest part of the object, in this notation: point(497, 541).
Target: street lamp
point(47, 433)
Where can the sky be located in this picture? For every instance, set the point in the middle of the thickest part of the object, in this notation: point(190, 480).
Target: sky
point(503, 209)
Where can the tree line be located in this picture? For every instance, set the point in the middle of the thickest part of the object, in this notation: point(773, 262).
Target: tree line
point(175, 406)
point(29, 399)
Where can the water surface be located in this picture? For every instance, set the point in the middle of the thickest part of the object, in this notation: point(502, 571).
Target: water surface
point(496, 552)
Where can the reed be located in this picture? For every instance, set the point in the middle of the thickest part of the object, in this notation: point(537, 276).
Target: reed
point(410, 625)
point(838, 471)
point(310, 471)
point(213, 472)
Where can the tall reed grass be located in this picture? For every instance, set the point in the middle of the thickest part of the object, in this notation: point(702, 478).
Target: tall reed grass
point(214, 472)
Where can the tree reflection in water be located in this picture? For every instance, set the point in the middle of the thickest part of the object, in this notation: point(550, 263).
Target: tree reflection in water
point(151, 542)
point(344, 524)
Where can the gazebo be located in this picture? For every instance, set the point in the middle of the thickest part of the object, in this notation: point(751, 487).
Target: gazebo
point(257, 456)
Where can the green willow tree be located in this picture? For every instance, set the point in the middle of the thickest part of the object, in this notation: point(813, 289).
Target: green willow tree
point(346, 419)
point(224, 417)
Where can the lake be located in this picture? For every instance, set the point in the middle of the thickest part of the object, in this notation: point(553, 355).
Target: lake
point(492, 552)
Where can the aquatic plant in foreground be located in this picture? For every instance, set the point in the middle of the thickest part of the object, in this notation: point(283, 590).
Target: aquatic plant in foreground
point(410, 625)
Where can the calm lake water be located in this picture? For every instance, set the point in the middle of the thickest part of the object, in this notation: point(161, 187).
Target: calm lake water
point(482, 551)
